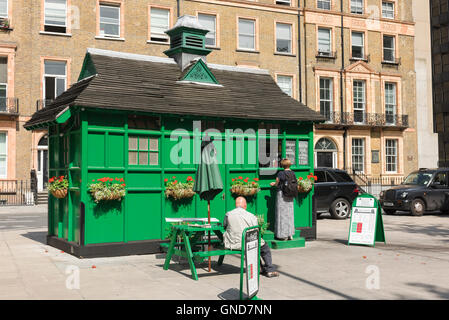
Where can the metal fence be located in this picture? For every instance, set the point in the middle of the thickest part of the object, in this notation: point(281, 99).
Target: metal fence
point(17, 193)
point(374, 185)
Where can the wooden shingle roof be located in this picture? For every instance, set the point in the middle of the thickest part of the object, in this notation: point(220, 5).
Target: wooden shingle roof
point(142, 83)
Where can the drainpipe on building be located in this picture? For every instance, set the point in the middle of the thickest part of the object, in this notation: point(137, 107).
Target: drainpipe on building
point(342, 83)
point(178, 8)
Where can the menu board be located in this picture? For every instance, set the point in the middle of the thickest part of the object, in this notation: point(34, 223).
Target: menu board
point(366, 226)
point(290, 150)
point(363, 225)
point(252, 261)
point(303, 153)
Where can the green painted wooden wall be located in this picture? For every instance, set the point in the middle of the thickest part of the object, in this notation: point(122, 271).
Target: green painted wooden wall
point(92, 145)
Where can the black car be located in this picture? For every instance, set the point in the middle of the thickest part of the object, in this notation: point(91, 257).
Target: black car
point(423, 190)
point(334, 192)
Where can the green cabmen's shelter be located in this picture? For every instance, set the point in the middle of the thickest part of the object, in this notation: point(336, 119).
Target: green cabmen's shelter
point(142, 119)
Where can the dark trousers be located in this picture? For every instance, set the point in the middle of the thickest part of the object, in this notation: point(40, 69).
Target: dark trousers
point(265, 255)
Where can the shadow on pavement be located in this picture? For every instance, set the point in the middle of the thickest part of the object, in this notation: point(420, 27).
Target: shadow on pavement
point(37, 236)
point(230, 294)
point(440, 292)
point(184, 269)
point(310, 283)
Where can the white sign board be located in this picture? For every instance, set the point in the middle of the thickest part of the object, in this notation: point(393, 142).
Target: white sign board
point(363, 225)
point(365, 202)
point(252, 261)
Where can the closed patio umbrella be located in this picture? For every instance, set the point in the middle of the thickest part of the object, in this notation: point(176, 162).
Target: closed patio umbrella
point(208, 182)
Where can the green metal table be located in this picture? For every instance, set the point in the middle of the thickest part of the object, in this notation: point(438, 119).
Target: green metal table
point(191, 242)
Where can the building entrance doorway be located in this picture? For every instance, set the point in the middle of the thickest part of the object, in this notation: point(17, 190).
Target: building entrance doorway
point(326, 153)
point(42, 164)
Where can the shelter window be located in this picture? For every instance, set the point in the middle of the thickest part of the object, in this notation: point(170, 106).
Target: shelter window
point(109, 20)
point(209, 21)
point(159, 22)
point(3, 8)
point(269, 158)
point(290, 150)
point(55, 16)
point(303, 153)
point(143, 150)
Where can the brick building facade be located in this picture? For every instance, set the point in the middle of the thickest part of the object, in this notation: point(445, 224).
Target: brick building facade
point(43, 43)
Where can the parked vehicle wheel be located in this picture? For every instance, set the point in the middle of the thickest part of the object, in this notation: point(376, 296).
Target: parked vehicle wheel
point(418, 207)
point(389, 211)
point(340, 209)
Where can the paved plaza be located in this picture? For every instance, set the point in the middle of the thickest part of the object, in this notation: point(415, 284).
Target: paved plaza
point(412, 264)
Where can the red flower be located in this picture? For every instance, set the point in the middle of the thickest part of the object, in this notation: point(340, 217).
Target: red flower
point(254, 182)
point(300, 178)
point(123, 184)
point(315, 177)
point(256, 179)
point(189, 178)
point(116, 179)
point(173, 177)
point(121, 180)
point(93, 180)
point(175, 182)
point(51, 180)
point(240, 178)
point(165, 180)
point(233, 179)
point(246, 180)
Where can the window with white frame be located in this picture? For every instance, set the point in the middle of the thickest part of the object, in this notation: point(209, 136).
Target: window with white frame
point(358, 45)
point(283, 38)
point(326, 94)
point(3, 155)
point(324, 41)
point(286, 84)
point(390, 102)
point(3, 83)
point(55, 16)
point(359, 101)
point(387, 10)
point(109, 20)
point(388, 43)
point(391, 154)
point(358, 154)
point(55, 78)
point(159, 23)
point(3, 8)
point(324, 4)
point(209, 21)
point(357, 6)
point(247, 34)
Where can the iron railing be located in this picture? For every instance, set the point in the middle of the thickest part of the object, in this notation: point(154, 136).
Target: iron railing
point(360, 118)
point(42, 103)
point(374, 185)
point(9, 105)
point(16, 193)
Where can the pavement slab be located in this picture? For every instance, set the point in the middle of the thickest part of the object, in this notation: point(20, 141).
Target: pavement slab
point(411, 265)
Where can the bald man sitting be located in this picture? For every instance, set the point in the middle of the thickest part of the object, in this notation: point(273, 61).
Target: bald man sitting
point(235, 222)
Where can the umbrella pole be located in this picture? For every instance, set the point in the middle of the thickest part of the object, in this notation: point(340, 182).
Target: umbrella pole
point(208, 221)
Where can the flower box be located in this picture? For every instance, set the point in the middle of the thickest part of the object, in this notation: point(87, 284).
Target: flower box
point(60, 194)
point(179, 190)
point(244, 187)
point(107, 189)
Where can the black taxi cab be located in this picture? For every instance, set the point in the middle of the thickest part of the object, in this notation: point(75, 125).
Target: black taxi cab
point(423, 190)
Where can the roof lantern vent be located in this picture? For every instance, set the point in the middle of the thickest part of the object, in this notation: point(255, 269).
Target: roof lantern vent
point(187, 41)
